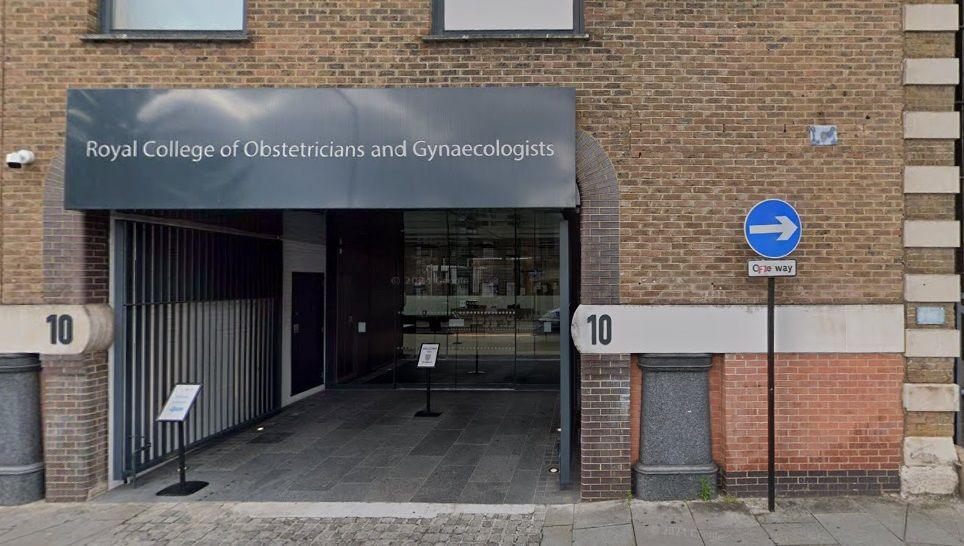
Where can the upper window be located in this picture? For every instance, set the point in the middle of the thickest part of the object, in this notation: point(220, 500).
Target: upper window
point(481, 17)
point(167, 16)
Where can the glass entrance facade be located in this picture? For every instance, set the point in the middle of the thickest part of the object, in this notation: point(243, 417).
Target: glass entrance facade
point(485, 286)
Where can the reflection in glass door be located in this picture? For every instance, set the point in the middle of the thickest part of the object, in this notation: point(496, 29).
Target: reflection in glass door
point(484, 284)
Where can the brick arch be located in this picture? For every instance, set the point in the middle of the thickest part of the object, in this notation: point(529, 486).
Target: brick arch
point(604, 380)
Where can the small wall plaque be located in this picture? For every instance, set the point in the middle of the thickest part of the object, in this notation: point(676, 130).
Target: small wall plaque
point(930, 315)
point(823, 135)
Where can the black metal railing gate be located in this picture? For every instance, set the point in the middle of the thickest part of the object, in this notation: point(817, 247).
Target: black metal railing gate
point(192, 306)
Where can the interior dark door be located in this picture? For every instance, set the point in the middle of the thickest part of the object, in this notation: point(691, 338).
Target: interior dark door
point(307, 331)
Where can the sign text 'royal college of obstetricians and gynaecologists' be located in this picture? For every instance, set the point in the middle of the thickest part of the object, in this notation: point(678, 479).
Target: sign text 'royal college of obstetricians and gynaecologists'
point(320, 148)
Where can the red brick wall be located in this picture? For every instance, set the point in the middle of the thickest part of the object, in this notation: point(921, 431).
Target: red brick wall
point(833, 412)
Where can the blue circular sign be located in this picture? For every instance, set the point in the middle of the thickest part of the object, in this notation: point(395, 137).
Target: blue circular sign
point(773, 228)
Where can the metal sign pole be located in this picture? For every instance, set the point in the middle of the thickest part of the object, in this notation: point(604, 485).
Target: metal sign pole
point(181, 456)
point(771, 432)
point(773, 230)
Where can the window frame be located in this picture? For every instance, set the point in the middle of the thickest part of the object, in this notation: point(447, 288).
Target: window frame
point(107, 31)
point(440, 33)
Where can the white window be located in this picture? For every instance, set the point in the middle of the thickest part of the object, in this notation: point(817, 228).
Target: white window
point(475, 16)
point(175, 15)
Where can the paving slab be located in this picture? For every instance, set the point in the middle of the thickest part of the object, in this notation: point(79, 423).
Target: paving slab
point(559, 514)
point(664, 534)
point(926, 527)
point(608, 535)
point(557, 536)
point(792, 534)
point(722, 515)
point(742, 536)
point(597, 514)
point(890, 511)
point(857, 528)
point(663, 513)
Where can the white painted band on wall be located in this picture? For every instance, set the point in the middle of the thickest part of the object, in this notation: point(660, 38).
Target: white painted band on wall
point(738, 329)
point(926, 179)
point(932, 288)
point(932, 234)
point(932, 125)
point(930, 17)
point(932, 71)
point(933, 342)
point(55, 329)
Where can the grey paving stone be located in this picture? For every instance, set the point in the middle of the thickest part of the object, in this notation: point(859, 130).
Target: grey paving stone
point(382, 458)
point(506, 445)
point(463, 455)
point(857, 528)
point(609, 535)
point(436, 442)
point(484, 493)
point(444, 485)
point(556, 536)
point(561, 514)
point(785, 516)
point(494, 469)
point(798, 533)
point(477, 433)
point(595, 514)
point(891, 512)
point(361, 474)
point(742, 536)
point(722, 515)
point(667, 535)
point(394, 490)
point(673, 514)
point(347, 492)
point(415, 466)
point(926, 527)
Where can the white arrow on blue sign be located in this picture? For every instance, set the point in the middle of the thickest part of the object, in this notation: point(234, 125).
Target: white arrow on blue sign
point(773, 228)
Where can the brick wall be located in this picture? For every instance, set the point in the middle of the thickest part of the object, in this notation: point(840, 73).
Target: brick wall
point(702, 106)
point(839, 422)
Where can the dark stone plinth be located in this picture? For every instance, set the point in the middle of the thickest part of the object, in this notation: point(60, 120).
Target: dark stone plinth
point(675, 458)
point(21, 457)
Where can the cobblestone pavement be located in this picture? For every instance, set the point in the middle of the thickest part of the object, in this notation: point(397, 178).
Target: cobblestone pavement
point(269, 523)
point(880, 521)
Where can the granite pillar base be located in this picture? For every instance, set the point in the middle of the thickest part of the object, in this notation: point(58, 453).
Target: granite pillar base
point(21, 458)
point(675, 458)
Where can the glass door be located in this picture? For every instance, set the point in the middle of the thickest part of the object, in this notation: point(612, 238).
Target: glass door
point(484, 285)
point(483, 308)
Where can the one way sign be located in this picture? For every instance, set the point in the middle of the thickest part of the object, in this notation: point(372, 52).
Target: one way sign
point(773, 228)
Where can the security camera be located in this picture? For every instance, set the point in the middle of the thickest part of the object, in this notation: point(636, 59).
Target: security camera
point(17, 160)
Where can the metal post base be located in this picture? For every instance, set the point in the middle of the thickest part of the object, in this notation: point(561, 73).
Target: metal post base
point(426, 413)
point(182, 490)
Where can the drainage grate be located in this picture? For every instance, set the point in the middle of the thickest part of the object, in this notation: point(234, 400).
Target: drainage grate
point(270, 438)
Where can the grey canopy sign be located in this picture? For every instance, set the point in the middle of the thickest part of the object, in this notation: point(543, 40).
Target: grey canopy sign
point(320, 148)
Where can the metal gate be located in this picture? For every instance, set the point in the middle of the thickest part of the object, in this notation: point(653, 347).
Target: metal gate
point(193, 306)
